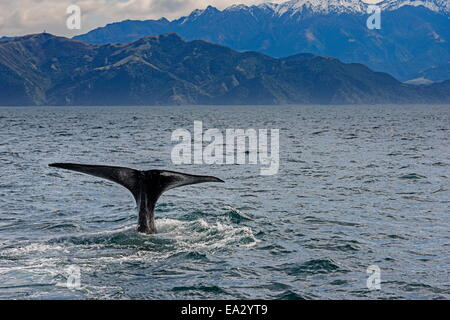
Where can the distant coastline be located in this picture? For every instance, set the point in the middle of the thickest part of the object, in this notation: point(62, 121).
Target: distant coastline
point(167, 70)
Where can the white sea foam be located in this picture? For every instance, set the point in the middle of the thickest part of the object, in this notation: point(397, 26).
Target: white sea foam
point(32, 248)
point(200, 234)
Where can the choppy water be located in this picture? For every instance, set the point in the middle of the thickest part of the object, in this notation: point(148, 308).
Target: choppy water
point(358, 186)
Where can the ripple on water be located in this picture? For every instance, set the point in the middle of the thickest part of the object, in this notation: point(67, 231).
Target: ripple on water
point(412, 176)
point(236, 215)
point(202, 289)
point(310, 267)
point(291, 295)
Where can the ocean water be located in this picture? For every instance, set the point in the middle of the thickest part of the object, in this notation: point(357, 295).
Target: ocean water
point(357, 186)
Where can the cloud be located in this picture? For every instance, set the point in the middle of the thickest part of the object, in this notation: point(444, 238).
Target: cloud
point(34, 16)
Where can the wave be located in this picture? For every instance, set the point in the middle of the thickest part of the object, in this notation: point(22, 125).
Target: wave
point(174, 237)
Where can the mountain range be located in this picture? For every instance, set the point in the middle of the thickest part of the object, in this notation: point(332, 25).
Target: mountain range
point(43, 69)
point(413, 42)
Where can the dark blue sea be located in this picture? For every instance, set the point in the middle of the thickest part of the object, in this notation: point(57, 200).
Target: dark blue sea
point(357, 186)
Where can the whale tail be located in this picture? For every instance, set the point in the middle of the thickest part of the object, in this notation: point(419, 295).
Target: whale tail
point(126, 177)
point(134, 180)
point(146, 186)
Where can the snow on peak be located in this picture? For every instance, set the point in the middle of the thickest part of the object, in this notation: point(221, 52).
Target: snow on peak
point(434, 5)
point(350, 6)
point(294, 7)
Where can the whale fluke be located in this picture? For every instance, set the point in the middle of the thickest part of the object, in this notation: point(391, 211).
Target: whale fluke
point(126, 177)
point(146, 186)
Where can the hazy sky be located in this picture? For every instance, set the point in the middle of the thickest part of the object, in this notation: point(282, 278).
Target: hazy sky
point(34, 16)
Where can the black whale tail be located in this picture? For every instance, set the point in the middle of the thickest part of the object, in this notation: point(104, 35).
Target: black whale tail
point(126, 177)
point(146, 186)
point(159, 180)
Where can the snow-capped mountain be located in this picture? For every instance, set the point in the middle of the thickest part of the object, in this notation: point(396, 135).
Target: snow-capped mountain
point(340, 6)
point(304, 8)
point(413, 42)
point(434, 5)
point(316, 6)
